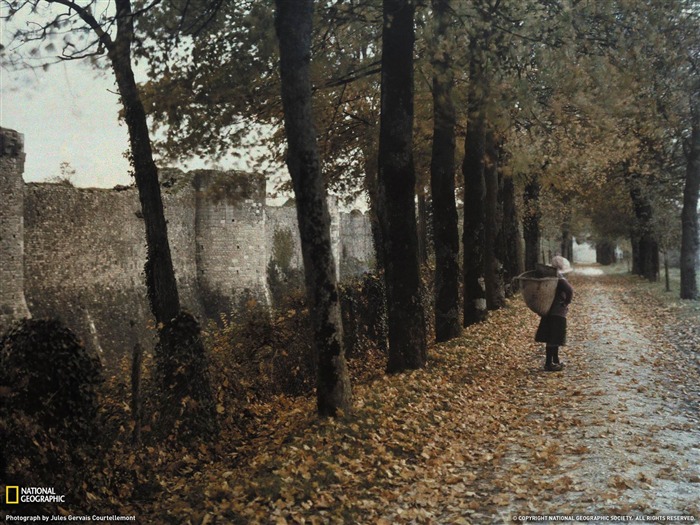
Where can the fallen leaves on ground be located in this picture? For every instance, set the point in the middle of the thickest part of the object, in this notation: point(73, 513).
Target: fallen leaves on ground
point(478, 434)
point(416, 445)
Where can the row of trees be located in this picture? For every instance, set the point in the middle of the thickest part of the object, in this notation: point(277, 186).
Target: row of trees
point(576, 118)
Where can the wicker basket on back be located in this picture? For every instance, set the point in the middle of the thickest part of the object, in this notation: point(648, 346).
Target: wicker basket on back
point(538, 288)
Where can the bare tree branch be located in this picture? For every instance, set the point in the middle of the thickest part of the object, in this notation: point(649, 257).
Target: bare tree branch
point(87, 17)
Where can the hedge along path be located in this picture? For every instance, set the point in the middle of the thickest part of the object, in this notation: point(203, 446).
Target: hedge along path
point(480, 435)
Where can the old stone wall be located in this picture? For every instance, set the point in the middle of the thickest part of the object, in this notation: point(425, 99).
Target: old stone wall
point(280, 219)
point(78, 254)
point(12, 301)
point(356, 246)
point(351, 238)
point(230, 230)
point(84, 258)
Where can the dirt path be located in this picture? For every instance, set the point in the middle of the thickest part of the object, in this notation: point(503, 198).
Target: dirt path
point(483, 435)
point(623, 435)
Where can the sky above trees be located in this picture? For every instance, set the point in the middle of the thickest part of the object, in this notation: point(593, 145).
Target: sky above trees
point(69, 113)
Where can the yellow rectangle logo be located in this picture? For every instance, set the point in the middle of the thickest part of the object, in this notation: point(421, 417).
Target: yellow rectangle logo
point(11, 494)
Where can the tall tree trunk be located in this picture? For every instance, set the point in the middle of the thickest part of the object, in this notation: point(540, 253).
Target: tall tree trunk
point(181, 363)
point(689, 215)
point(474, 197)
point(570, 249)
point(423, 234)
point(531, 222)
point(473, 231)
point(605, 252)
point(160, 276)
point(566, 243)
point(565, 246)
point(397, 180)
point(442, 184)
point(650, 257)
point(634, 242)
point(493, 282)
point(371, 183)
point(647, 257)
point(293, 24)
point(509, 242)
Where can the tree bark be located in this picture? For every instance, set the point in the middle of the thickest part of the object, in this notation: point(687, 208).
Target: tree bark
point(566, 244)
point(474, 213)
point(473, 169)
point(372, 185)
point(181, 365)
point(650, 260)
point(647, 247)
point(423, 233)
point(605, 252)
point(531, 222)
point(293, 25)
point(508, 239)
point(442, 185)
point(397, 180)
point(160, 275)
point(634, 242)
point(493, 221)
point(689, 214)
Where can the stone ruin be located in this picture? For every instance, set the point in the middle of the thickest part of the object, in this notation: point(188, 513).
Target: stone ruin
point(78, 253)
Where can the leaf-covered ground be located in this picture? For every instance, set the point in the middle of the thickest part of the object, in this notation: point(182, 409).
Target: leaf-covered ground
point(481, 435)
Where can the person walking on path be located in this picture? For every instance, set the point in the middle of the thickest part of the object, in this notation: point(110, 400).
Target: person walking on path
point(552, 328)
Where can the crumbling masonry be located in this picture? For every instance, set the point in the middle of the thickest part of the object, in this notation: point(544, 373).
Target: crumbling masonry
point(78, 254)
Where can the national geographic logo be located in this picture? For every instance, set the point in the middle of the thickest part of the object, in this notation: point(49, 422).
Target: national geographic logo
point(15, 494)
point(12, 495)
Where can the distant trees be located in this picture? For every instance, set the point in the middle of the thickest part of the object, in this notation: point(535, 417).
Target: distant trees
point(673, 87)
point(691, 229)
point(607, 102)
point(645, 246)
point(646, 53)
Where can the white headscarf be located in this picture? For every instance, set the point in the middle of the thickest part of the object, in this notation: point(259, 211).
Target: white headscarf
point(561, 264)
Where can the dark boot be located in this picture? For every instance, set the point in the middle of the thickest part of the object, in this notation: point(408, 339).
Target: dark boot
point(555, 356)
point(550, 365)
